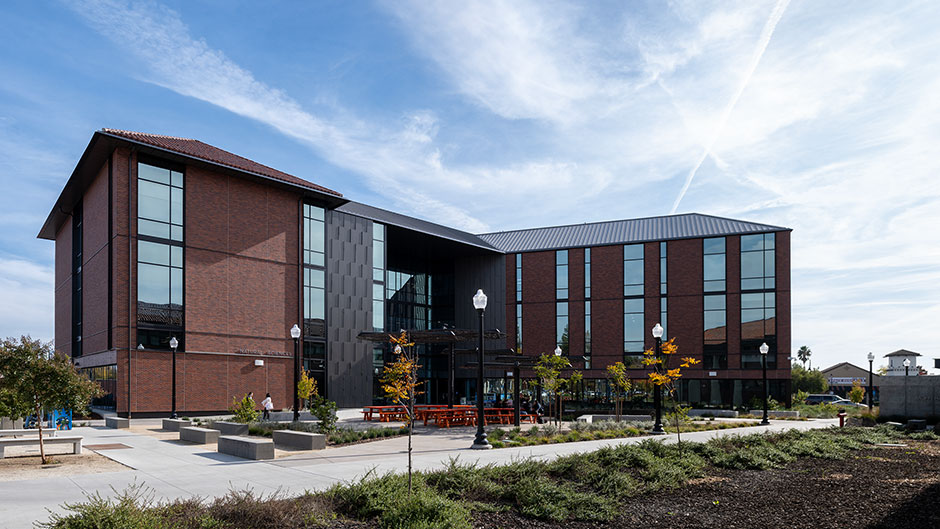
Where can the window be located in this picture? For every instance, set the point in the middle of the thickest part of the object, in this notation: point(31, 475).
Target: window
point(518, 277)
point(587, 331)
point(633, 270)
point(159, 283)
point(561, 274)
point(587, 273)
point(757, 262)
point(713, 264)
point(378, 277)
point(561, 326)
point(77, 281)
point(662, 268)
point(716, 340)
point(314, 273)
point(633, 325)
point(159, 202)
point(519, 303)
point(662, 316)
point(314, 235)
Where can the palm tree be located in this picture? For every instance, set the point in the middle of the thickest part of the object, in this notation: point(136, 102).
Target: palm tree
point(803, 354)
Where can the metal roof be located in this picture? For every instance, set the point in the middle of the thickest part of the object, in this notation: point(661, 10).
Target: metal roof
point(410, 223)
point(684, 226)
point(903, 352)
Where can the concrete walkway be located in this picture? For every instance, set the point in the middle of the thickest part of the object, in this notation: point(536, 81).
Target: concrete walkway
point(171, 469)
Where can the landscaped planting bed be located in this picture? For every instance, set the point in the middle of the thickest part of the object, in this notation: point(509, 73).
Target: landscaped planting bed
point(549, 434)
point(817, 478)
point(341, 436)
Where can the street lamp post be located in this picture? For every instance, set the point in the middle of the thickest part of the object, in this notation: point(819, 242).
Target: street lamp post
point(871, 360)
point(907, 365)
point(557, 396)
point(174, 343)
point(480, 442)
point(657, 390)
point(295, 334)
point(764, 349)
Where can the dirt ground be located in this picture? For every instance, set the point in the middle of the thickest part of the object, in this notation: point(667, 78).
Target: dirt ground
point(23, 462)
point(890, 488)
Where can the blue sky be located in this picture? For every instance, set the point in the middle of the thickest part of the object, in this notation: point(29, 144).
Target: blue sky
point(497, 115)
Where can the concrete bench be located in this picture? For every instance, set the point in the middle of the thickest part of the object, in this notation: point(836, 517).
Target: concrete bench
point(623, 418)
point(27, 431)
point(117, 422)
point(776, 413)
point(74, 440)
point(174, 425)
point(301, 440)
point(725, 414)
point(230, 428)
point(202, 436)
point(246, 447)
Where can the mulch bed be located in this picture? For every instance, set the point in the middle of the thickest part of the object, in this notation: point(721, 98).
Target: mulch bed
point(882, 487)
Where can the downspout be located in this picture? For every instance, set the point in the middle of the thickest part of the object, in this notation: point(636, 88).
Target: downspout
point(130, 266)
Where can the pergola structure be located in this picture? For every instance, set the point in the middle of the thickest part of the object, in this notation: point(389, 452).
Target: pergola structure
point(438, 336)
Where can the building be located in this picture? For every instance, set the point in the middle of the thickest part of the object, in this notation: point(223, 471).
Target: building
point(842, 376)
point(159, 237)
point(896, 363)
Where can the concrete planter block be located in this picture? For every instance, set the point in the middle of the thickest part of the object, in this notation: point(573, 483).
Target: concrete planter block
point(725, 414)
point(174, 425)
point(202, 436)
point(246, 447)
point(117, 422)
point(623, 418)
point(230, 428)
point(301, 440)
point(287, 416)
point(776, 413)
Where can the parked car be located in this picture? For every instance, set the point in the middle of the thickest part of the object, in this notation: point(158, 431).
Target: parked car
point(819, 398)
point(846, 403)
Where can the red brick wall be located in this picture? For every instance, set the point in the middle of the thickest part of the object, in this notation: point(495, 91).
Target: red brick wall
point(63, 288)
point(95, 264)
point(538, 303)
point(606, 307)
point(784, 346)
point(733, 316)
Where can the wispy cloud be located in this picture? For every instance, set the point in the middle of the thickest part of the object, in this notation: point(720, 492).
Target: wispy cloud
point(27, 298)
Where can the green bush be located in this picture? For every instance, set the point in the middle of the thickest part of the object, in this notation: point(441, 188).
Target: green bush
point(244, 410)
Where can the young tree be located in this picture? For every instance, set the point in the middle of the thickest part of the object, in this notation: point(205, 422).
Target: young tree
point(617, 373)
point(306, 387)
point(400, 383)
point(548, 369)
point(857, 393)
point(666, 378)
point(33, 379)
point(808, 380)
point(803, 354)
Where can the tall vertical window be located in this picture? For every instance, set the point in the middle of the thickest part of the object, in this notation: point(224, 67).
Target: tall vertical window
point(758, 300)
point(633, 270)
point(159, 256)
point(378, 277)
point(314, 235)
point(519, 303)
point(587, 273)
point(587, 334)
point(716, 332)
point(561, 274)
point(77, 281)
point(561, 326)
point(663, 305)
point(713, 264)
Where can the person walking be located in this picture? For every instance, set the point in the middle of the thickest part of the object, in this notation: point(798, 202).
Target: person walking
point(267, 404)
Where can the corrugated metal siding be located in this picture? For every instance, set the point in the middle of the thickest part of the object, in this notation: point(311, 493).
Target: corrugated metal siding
point(411, 223)
point(622, 232)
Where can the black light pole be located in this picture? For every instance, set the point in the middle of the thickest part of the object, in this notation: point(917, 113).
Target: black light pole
point(480, 442)
point(907, 365)
point(871, 360)
point(557, 394)
point(763, 353)
point(295, 334)
point(174, 343)
point(657, 390)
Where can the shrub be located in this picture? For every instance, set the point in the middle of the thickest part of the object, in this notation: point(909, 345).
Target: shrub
point(244, 410)
point(325, 411)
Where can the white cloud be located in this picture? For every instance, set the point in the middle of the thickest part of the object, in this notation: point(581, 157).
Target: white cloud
point(27, 306)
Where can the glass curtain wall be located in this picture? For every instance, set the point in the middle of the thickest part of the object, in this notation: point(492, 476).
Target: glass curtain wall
point(159, 256)
point(716, 325)
point(633, 325)
point(561, 300)
point(314, 294)
point(758, 300)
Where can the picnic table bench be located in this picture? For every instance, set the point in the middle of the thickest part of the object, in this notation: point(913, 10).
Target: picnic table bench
point(385, 413)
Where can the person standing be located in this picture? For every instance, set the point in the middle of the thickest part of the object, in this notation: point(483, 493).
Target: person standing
point(267, 405)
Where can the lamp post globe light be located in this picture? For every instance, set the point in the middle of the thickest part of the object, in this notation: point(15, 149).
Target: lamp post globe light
point(657, 389)
point(557, 396)
point(174, 343)
point(871, 360)
point(480, 442)
point(907, 365)
point(764, 349)
point(295, 334)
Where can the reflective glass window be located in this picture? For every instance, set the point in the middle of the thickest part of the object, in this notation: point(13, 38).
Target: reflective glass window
point(561, 274)
point(633, 328)
point(633, 270)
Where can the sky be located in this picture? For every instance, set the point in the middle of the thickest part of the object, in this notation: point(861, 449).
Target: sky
point(487, 115)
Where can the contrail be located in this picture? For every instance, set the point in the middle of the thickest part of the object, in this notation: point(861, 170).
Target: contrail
point(762, 43)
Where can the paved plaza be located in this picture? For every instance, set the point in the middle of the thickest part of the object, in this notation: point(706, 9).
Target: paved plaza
point(174, 469)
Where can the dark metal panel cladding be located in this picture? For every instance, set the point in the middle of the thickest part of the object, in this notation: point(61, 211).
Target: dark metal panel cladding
point(349, 308)
point(686, 226)
point(489, 273)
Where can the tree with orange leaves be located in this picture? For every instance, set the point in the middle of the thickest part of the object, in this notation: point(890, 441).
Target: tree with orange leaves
point(664, 377)
point(400, 383)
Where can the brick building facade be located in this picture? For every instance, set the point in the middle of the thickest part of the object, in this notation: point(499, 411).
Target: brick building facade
point(159, 237)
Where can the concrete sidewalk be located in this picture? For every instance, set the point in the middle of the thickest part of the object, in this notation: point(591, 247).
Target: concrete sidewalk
point(172, 469)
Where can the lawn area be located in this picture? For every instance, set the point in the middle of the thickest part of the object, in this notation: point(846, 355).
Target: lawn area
point(815, 478)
